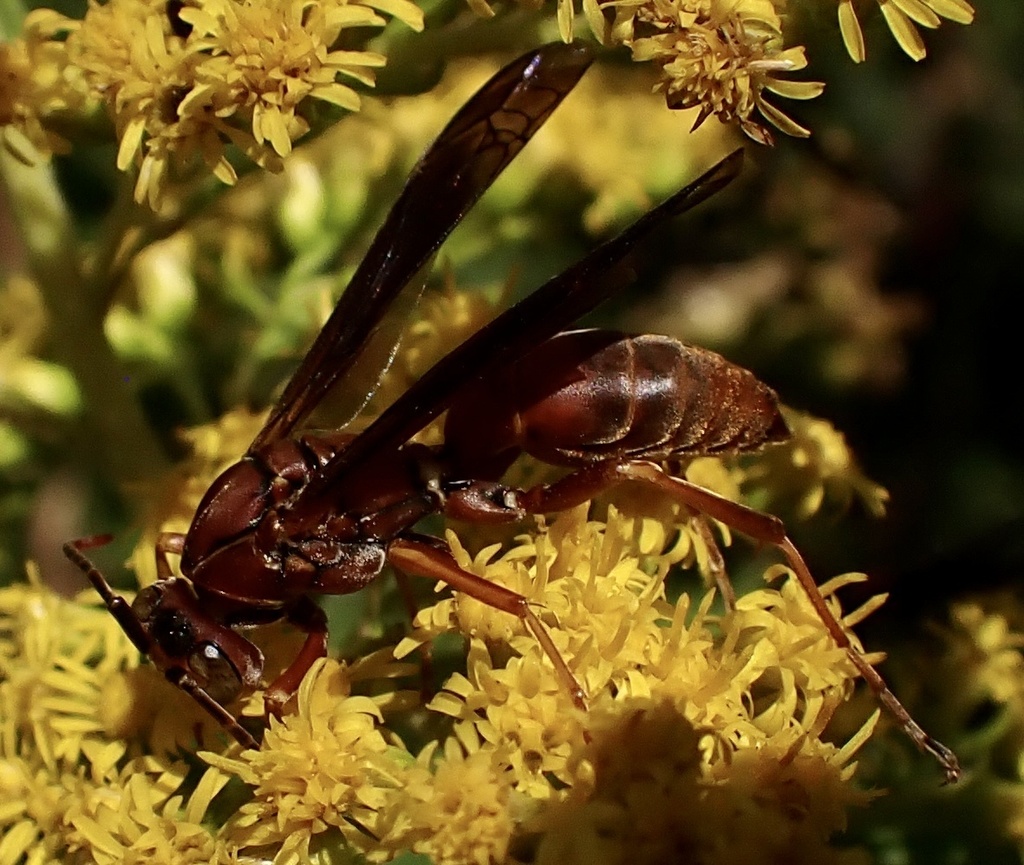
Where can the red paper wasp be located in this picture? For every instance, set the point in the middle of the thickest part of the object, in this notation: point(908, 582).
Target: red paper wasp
point(323, 513)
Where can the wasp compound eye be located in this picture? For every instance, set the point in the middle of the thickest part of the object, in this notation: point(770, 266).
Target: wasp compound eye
point(215, 673)
point(173, 633)
point(146, 602)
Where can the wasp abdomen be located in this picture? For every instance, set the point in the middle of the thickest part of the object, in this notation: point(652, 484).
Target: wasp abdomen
point(591, 395)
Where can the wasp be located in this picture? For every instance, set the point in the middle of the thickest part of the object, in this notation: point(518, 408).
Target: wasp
point(304, 513)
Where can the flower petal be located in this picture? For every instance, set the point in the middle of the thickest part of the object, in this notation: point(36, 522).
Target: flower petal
point(796, 89)
point(918, 11)
point(849, 26)
point(565, 15)
point(781, 121)
point(903, 29)
point(959, 11)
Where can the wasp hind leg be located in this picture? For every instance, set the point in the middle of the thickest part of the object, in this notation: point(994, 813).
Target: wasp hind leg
point(589, 481)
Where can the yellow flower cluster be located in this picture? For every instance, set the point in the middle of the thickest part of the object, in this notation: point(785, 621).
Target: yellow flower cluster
point(327, 766)
point(34, 84)
point(704, 730)
point(70, 789)
point(182, 81)
point(188, 83)
point(723, 57)
point(719, 56)
point(814, 468)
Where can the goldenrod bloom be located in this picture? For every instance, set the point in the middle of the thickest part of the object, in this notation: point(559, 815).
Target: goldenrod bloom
point(220, 73)
point(718, 56)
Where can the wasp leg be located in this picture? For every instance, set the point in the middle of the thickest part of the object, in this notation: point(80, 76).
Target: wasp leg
point(765, 528)
point(422, 559)
point(584, 484)
point(715, 565)
point(167, 542)
point(306, 616)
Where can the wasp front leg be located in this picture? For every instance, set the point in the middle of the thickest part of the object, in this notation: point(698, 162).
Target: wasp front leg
point(167, 543)
point(308, 617)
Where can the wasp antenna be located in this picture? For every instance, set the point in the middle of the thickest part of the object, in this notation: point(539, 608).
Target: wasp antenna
point(73, 550)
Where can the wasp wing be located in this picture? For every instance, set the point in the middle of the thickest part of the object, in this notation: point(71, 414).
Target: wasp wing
point(472, 150)
point(350, 394)
point(537, 317)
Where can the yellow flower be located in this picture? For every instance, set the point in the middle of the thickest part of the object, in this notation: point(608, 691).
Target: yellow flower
point(101, 806)
point(983, 643)
point(56, 658)
point(644, 791)
point(266, 57)
point(30, 797)
point(718, 56)
point(135, 64)
point(766, 673)
point(326, 766)
point(901, 16)
point(815, 467)
point(134, 811)
point(456, 808)
point(222, 72)
point(34, 84)
point(606, 616)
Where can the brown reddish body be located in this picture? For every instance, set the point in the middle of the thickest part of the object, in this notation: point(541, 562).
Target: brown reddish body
point(587, 396)
point(305, 513)
point(581, 398)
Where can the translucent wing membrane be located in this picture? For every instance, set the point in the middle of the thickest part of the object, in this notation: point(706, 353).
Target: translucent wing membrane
point(475, 147)
point(553, 307)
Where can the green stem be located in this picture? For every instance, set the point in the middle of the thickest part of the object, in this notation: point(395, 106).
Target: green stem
point(119, 438)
